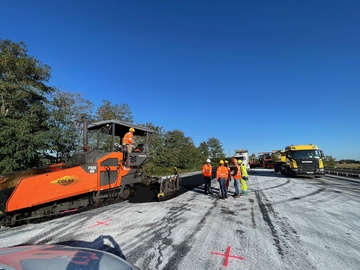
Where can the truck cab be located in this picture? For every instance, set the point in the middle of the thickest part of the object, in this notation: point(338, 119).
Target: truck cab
point(304, 160)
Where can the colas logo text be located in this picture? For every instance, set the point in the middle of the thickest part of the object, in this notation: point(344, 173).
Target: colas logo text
point(65, 181)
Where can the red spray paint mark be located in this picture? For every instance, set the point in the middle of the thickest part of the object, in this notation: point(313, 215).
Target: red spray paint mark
point(227, 256)
point(105, 222)
point(68, 211)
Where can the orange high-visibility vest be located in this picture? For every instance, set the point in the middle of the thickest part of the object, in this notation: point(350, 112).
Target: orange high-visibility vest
point(128, 138)
point(207, 170)
point(222, 172)
point(238, 173)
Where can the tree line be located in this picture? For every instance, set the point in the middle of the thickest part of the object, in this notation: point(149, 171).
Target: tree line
point(41, 125)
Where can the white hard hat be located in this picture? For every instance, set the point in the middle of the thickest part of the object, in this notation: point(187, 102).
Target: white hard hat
point(208, 160)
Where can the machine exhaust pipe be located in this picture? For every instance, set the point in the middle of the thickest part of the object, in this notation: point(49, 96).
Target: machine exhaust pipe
point(85, 134)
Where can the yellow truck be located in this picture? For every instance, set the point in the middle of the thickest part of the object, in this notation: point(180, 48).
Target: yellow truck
point(299, 160)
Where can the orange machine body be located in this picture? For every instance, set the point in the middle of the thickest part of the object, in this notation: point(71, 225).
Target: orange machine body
point(104, 173)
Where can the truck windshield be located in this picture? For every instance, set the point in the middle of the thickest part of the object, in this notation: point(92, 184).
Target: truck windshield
point(306, 154)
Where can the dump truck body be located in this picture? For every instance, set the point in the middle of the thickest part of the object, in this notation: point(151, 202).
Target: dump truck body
point(279, 159)
point(243, 155)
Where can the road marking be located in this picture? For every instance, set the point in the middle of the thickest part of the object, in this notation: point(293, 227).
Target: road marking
point(68, 211)
point(227, 256)
point(105, 222)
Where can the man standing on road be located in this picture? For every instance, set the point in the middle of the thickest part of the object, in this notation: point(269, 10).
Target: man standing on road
point(236, 172)
point(222, 174)
point(207, 173)
point(244, 177)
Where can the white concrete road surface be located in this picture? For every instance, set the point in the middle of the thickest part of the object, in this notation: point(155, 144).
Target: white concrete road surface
point(284, 223)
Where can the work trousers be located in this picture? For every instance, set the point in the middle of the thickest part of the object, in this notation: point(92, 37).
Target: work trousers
point(129, 147)
point(207, 180)
point(243, 185)
point(237, 186)
point(222, 182)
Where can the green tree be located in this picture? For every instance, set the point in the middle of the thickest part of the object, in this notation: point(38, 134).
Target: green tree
point(174, 143)
point(215, 148)
point(157, 145)
point(184, 154)
point(204, 150)
point(23, 110)
point(107, 111)
point(253, 158)
point(67, 110)
point(329, 162)
point(173, 149)
point(160, 157)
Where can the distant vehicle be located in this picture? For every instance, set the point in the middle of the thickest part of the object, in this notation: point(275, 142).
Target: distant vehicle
point(254, 163)
point(265, 160)
point(260, 159)
point(243, 155)
point(60, 257)
point(300, 160)
point(279, 158)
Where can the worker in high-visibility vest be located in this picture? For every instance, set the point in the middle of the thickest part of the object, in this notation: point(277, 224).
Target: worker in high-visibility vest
point(222, 174)
point(236, 173)
point(244, 178)
point(128, 141)
point(128, 144)
point(207, 173)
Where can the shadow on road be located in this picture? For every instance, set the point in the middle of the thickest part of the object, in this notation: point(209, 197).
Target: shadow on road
point(188, 183)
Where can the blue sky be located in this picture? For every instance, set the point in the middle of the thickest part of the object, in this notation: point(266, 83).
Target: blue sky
point(254, 74)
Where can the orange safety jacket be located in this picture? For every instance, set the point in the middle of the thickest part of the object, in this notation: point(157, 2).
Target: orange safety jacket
point(128, 138)
point(207, 170)
point(238, 172)
point(222, 172)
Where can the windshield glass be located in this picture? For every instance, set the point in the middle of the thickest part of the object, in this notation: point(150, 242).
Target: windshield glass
point(100, 138)
point(306, 154)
